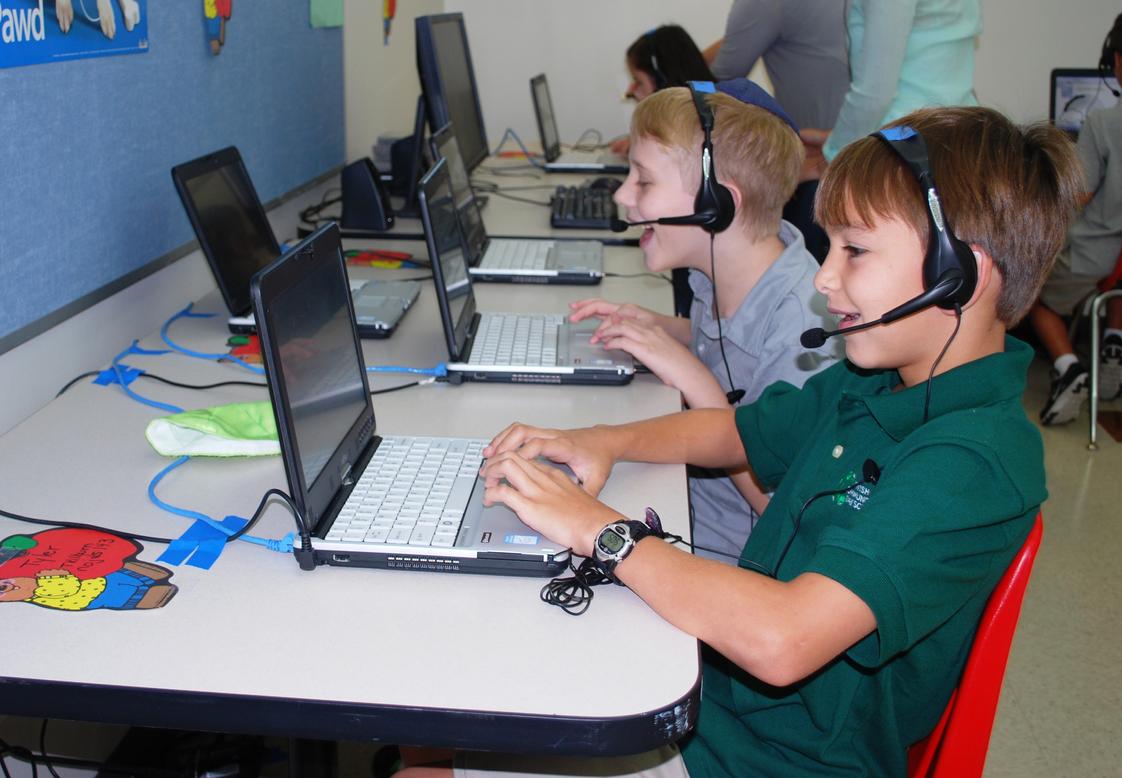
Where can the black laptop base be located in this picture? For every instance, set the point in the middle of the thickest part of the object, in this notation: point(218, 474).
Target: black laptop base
point(558, 280)
point(484, 564)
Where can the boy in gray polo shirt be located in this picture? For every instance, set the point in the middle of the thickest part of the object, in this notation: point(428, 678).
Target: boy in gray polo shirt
point(765, 293)
point(1089, 255)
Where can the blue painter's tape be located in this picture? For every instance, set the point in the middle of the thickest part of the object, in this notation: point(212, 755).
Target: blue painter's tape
point(110, 376)
point(201, 545)
point(903, 132)
point(703, 86)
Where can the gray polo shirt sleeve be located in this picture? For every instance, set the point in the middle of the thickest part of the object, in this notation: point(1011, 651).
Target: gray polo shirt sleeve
point(752, 27)
point(1092, 153)
point(775, 427)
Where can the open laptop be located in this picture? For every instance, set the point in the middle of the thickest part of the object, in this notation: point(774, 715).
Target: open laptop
point(237, 240)
point(396, 502)
point(572, 161)
point(509, 347)
point(1076, 92)
point(519, 260)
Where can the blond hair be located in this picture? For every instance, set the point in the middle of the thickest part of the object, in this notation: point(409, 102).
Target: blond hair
point(1009, 190)
point(753, 150)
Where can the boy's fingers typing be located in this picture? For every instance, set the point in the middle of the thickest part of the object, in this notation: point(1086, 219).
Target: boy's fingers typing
point(582, 309)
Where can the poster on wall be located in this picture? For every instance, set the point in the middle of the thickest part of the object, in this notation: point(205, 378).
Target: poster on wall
point(33, 32)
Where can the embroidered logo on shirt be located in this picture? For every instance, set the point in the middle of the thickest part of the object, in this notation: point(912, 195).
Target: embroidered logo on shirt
point(856, 492)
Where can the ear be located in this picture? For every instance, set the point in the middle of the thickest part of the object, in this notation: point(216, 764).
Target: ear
point(1118, 67)
point(989, 279)
point(737, 197)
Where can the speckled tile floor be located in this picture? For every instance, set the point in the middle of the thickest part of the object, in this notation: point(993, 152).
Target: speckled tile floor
point(1061, 706)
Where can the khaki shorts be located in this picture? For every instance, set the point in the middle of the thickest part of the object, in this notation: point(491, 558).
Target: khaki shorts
point(1065, 290)
point(665, 762)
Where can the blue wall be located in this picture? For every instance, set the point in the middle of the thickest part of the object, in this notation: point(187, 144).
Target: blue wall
point(86, 146)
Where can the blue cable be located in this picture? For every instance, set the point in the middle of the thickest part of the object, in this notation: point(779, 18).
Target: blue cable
point(219, 357)
point(121, 379)
point(510, 133)
point(440, 371)
point(283, 545)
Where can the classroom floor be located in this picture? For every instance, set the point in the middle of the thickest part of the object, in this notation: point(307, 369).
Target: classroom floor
point(1060, 704)
point(1059, 710)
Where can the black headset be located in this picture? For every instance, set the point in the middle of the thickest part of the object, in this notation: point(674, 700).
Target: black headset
point(950, 270)
point(1106, 58)
point(660, 80)
point(714, 206)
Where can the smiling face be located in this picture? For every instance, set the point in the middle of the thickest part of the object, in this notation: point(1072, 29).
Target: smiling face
point(870, 270)
point(655, 188)
point(16, 589)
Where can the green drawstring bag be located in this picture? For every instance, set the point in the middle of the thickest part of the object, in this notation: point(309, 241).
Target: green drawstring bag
point(235, 430)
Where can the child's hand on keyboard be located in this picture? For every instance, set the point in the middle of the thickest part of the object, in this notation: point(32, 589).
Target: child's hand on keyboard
point(606, 311)
point(584, 451)
point(546, 499)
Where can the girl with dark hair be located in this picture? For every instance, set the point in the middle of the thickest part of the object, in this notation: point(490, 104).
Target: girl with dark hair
point(662, 57)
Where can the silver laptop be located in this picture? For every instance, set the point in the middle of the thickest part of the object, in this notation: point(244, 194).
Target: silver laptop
point(519, 260)
point(237, 240)
point(572, 161)
point(509, 347)
point(411, 503)
point(1076, 92)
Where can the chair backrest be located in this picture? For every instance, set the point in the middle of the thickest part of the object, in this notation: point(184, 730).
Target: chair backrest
point(957, 746)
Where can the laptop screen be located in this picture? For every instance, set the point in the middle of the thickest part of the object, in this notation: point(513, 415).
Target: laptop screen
point(446, 252)
point(448, 81)
point(229, 222)
point(1077, 92)
point(318, 362)
point(446, 147)
point(547, 123)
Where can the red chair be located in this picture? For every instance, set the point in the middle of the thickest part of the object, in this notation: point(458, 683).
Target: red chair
point(957, 747)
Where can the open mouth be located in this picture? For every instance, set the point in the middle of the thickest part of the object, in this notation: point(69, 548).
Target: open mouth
point(845, 319)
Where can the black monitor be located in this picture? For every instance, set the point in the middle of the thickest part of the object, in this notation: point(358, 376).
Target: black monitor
point(448, 83)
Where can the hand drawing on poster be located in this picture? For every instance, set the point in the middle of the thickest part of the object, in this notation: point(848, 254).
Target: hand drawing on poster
point(40, 31)
point(80, 570)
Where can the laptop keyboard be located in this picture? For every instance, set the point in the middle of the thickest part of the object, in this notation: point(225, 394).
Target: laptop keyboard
point(413, 492)
point(582, 207)
point(517, 339)
point(517, 255)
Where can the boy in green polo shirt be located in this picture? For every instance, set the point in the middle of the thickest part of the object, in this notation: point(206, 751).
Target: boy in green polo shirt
point(905, 477)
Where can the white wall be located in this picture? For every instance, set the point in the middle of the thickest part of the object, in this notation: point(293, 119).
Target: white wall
point(580, 44)
point(1023, 40)
point(380, 82)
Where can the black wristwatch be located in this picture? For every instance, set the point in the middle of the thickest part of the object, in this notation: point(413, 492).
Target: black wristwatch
point(615, 542)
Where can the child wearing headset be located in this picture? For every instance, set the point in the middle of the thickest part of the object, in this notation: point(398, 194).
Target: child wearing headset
point(756, 272)
point(906, 477)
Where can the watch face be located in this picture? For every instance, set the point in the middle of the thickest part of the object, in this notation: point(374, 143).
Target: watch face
point(611, 542)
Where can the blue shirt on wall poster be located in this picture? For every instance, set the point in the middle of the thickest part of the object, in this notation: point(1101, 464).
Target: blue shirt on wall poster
point(34, 32)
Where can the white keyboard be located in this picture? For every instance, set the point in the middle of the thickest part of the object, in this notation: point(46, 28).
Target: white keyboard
point(516, 339)
point(413, 492)
point(517, 255)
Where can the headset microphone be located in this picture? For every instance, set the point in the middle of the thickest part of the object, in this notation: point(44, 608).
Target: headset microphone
point(700, 219)
point(947, 285)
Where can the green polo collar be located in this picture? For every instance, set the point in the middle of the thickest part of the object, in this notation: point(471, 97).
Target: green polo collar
point(994, 378)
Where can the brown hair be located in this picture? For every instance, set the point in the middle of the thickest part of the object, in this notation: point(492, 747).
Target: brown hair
point(1009, 190)
point(753, 150)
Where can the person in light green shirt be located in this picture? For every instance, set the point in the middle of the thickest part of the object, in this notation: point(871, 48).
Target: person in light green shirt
point(906, 477)
point(903, 55)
